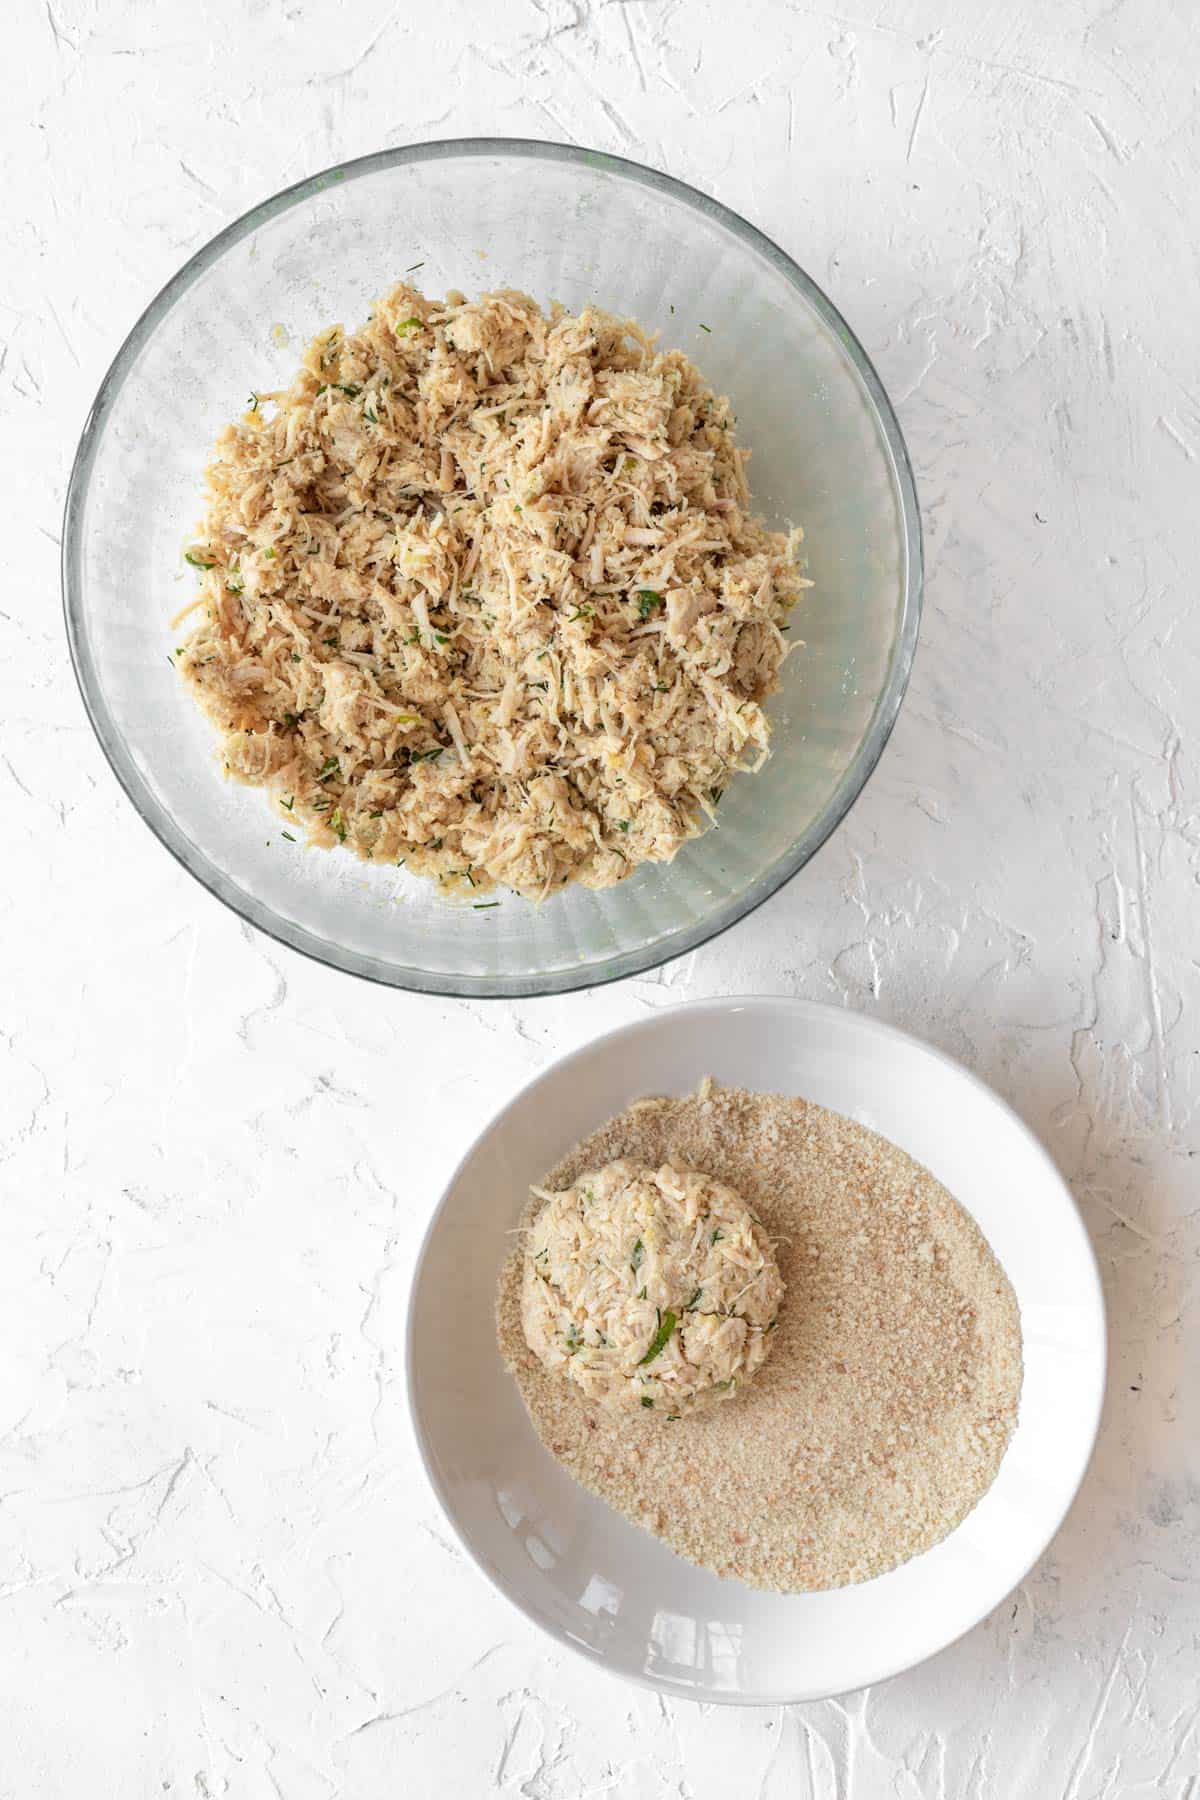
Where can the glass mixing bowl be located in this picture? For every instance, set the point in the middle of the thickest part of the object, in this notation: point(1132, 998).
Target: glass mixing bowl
point(562, 224)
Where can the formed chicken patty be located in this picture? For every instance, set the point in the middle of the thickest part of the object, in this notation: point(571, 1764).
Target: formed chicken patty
point(649, 1288)
point(481, 593)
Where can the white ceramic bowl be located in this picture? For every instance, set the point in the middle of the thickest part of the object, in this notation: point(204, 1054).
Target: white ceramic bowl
point(606, 1588)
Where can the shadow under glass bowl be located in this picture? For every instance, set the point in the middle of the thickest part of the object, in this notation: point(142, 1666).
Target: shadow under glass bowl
point(563, 224)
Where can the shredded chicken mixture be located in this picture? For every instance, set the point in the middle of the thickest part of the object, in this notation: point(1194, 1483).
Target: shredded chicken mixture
point(482, 594)
point(650, 1289)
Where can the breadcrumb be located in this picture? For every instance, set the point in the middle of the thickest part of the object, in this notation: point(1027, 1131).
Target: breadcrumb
point(893, 1385)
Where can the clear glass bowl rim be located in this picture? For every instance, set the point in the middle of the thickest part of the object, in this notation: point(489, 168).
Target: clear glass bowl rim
point(440, 982)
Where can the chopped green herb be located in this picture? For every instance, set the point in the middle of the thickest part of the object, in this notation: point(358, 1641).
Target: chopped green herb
point(641, 1293)
point(252, 403)
point(426, 755)
point(408, 326)
point(573, 1343)
point(291, 719)
point(639, 1251)
point(329, 640)
point(646, 1400)
point(662, 1337)
point(648, 601)
point(288, 836)
point(623, 825)
point(704, 327)
point(717, 1235)
point(694, 1302)
point(269, 553)
point(484, 905)
point(671, 1418)
point(539, 684)
point(720, 1386)
point(441, 637)
point(581, 612)
point(290, 802)
point(714, 795)
point(351, 393)
point(413, 266)
point(338, 823)
point(330, 767)
point(197, 562)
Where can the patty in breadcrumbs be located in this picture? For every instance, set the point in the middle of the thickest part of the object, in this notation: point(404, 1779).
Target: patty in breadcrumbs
point(892, 1389)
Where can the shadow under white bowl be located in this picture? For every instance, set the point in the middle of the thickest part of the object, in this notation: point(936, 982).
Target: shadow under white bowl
point(606, 1588)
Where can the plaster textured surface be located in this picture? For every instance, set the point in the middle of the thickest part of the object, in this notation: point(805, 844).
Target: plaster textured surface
point(220, 1570)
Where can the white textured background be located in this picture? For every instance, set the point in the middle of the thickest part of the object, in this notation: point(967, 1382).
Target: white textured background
point(220, 1573)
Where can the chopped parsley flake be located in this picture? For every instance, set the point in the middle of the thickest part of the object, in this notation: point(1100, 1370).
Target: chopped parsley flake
point(662, 1337)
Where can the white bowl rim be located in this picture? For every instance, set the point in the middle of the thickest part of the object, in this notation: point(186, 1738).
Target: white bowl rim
point(799, 1008)
point(324, 950)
